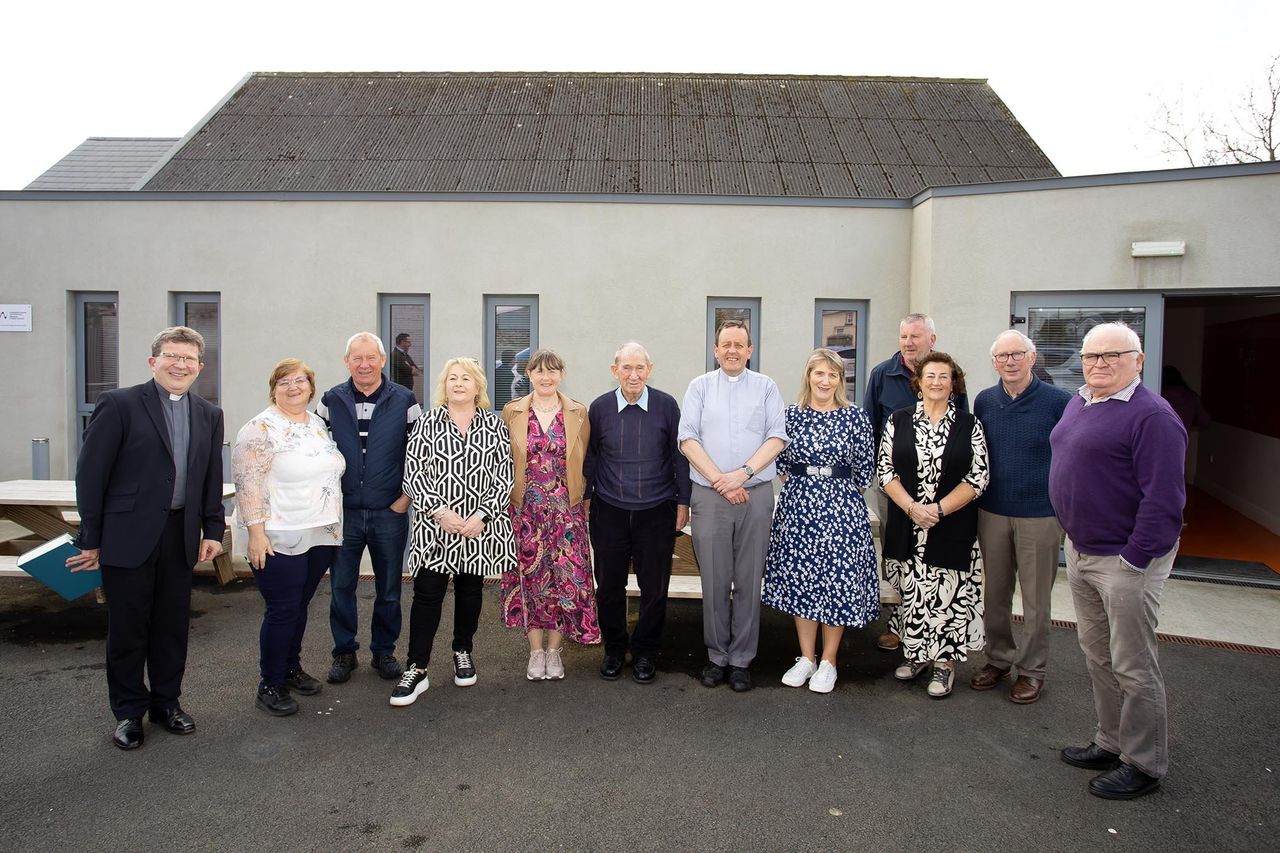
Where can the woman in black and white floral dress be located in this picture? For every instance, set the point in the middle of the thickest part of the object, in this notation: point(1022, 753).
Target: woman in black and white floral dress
point(458, 474)
point(932, 465)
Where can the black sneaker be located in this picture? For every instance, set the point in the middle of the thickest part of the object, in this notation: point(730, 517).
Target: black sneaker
point(712, 675)
point(464, 669)
point(303, 684)
point(413, 683)
point(340, 672)
point(276, 701)
point(387, 667)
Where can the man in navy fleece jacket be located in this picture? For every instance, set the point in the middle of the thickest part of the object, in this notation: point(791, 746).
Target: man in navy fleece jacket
point(1116, 483)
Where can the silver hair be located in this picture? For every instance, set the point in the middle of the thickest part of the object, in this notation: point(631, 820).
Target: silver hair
point(631, 346)
point(1130, 335)
point(919, 318)
point(364, 336)
point(1026, 342)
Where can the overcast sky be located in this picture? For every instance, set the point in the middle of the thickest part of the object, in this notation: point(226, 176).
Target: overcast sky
point(1082, 78)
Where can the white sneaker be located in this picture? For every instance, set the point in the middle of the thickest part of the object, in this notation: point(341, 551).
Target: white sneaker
point(537, 670)
point(909, 670)
point(800, 673)
point(824, 680)
point(555, 666)
point(942, 680)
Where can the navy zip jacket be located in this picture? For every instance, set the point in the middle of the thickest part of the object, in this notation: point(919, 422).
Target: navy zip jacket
point(373, 479)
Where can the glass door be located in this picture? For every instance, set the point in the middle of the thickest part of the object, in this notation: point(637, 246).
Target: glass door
point(1058, 322)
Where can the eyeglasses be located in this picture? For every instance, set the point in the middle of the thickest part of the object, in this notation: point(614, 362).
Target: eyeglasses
point(180, 359)
point(301, 381)
point(1015, 357)
point(1091, 358)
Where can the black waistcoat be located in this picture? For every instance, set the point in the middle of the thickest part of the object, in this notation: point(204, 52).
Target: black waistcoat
point(950, 541)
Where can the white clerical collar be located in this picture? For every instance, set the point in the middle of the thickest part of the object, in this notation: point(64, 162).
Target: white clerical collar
point(643, 402)
point(733, 378)
point(176, 397)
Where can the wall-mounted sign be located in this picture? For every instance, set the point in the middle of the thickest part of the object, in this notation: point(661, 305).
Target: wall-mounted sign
point(15, 318)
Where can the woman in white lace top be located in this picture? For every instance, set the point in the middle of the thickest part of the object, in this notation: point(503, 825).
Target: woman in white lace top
point(287, 524)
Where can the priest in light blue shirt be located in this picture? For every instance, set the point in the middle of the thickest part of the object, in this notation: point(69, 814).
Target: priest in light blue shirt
point(731, 430)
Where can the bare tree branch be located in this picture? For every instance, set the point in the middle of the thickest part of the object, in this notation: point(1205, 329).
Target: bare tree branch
point(1246, 135)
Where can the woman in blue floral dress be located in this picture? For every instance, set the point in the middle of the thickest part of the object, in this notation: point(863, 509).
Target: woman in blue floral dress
point(821, 566)
point(550, 593)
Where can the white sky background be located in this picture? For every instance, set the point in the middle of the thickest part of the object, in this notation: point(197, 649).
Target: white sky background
point(1080, 76)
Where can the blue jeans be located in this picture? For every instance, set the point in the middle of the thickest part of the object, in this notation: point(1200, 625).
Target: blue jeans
point(287, 583)
point(385, 534)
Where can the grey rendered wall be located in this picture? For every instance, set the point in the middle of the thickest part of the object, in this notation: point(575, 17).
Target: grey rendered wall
point(298, 277)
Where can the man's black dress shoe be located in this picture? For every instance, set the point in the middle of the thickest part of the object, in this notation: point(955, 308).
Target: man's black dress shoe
point(712, 675)
point(611, 668)
point(128, 733)
point(739, 679)
point(1091, 757)
point(1126, 782)
point(173, 720)
point(643, 670)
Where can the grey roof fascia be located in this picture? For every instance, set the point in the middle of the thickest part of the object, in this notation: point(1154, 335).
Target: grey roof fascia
point(1110, 179)
point(558, 198)
point(186, 137)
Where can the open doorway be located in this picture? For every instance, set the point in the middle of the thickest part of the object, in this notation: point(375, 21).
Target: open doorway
point(1216, 356)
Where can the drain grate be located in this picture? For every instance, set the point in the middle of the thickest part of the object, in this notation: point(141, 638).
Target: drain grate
point(1185, 641)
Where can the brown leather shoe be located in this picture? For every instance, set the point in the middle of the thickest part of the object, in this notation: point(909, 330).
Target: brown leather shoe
point(888, 641)
point(987, 677)
point(1025, 690)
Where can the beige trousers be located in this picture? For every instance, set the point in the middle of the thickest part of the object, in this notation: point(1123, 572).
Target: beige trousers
point(1021, 552)
point(1117, 610)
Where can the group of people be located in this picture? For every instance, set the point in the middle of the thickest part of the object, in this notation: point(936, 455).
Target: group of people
point(971, 504)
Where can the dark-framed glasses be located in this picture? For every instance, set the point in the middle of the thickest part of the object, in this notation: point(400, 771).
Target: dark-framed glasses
point(1015, 357)
point(1111, 357)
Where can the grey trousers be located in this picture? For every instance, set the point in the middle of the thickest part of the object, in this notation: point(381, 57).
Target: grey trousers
point(1021, 551)
point(731, 543)
point(1117, 610)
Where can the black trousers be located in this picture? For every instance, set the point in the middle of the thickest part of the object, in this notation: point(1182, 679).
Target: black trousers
point(622, 538)
point(148, 621)
point(424, 617)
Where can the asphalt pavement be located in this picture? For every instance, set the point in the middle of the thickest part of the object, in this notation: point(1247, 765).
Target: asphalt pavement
point(585, 764)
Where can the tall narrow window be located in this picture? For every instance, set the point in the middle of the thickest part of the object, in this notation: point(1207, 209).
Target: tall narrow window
point(747, 310)
point(203, 312)
point(841, 325)
point(97, 351)
point(404, 323)
point(510, 337)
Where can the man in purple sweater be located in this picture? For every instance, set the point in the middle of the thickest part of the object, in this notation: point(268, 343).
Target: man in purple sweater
point(1116, 484)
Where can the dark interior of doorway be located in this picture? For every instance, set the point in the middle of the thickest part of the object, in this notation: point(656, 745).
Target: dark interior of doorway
point(1211, 339)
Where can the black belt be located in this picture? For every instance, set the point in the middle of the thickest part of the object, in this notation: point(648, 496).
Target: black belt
point(844, 471)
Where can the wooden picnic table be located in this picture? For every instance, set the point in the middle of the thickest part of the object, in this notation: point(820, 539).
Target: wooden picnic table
point(47, 508)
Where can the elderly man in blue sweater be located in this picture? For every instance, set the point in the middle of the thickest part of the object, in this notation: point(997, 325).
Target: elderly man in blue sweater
point(1017, 529)
point(1116, 483)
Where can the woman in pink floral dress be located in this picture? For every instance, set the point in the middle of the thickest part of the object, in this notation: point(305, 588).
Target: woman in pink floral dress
point(550, 594)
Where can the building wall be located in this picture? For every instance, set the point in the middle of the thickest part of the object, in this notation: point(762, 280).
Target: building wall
point(987, 247)
point(298, 277)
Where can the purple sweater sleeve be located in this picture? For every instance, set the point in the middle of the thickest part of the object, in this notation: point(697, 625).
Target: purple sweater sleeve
point(1159, 445)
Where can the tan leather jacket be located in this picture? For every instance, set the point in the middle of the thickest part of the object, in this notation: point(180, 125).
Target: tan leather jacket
point(577, 430)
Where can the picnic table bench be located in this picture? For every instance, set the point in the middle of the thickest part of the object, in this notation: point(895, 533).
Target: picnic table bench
point(47, 509)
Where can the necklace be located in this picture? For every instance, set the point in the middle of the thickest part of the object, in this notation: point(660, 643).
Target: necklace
point(548, 410)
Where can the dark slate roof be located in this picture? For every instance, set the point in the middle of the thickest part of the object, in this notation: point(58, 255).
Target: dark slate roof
point(105, 163)
point(826, 137)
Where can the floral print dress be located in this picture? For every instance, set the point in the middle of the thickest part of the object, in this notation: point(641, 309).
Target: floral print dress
point(940, 618)
point(551, 587)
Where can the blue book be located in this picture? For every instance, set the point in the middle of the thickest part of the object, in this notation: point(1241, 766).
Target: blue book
point(48, 564)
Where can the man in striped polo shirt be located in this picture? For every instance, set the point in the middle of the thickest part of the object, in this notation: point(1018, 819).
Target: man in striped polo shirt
point(369, 418)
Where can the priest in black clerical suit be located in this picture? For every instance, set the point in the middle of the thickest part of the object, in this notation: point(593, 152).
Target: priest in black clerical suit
point(149, 493)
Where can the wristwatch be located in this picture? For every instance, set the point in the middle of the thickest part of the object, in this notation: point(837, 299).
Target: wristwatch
point(751, 472)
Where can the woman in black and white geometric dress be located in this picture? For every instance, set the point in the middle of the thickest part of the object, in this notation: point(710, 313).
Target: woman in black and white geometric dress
point(459, 476)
